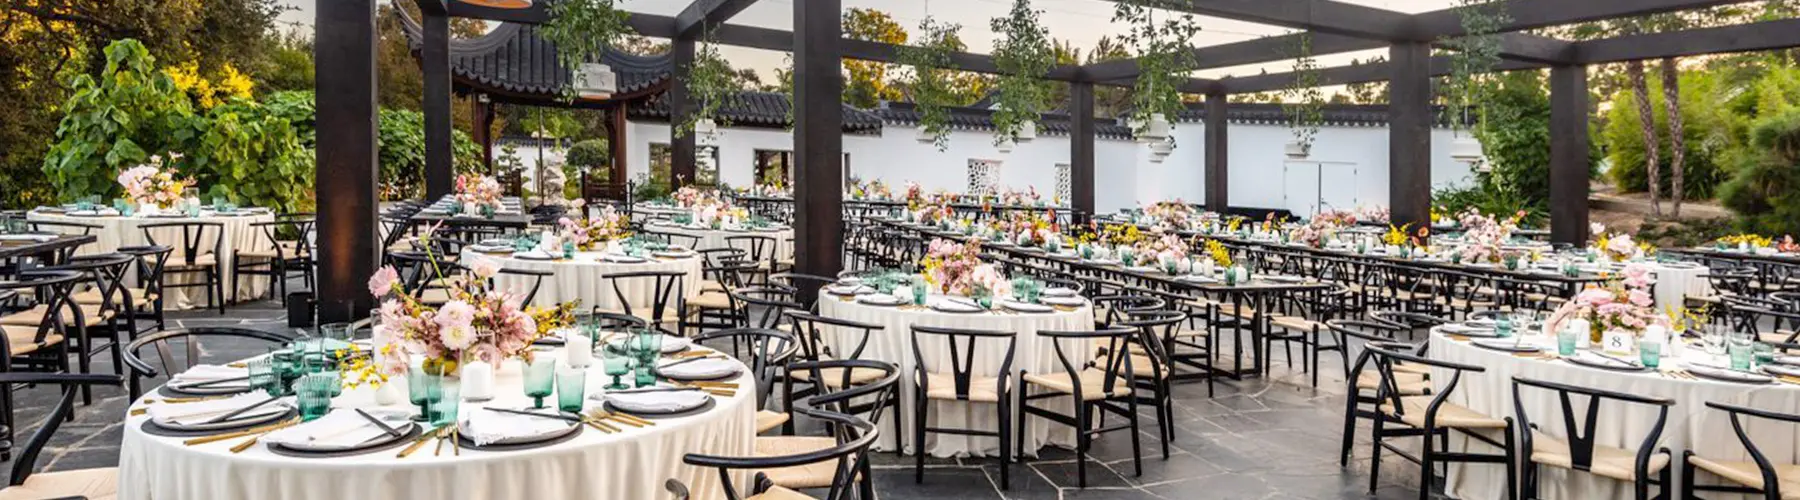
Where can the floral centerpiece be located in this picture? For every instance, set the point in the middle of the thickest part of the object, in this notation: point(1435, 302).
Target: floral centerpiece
point(1787, 245)
point(1028, 197)
point(477, 193)
point(1616, 247)
point(150, 185)
point(688, 196)
point(1172, 215)
point(914, 193)
point(1373, 213)
point(1164, 251)
point(1033, 230)
point(479, 322)
point(1220, 255)
point(1336, 218)
point(1747, 241)
point(949, 265)
point(1625, 305)
point(589, 233)
point(986, 282)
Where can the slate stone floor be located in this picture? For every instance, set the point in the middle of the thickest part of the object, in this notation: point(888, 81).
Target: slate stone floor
point(1274, 438)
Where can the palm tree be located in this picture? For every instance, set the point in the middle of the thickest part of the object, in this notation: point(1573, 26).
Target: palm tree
point(1677, 149)
point(1640, 89)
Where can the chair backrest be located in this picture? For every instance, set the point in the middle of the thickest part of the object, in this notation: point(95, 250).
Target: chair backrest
point(1581, 436)
point(758, 248)
point(298, 226)
point(418, 269)
point(1118, 370)
point(106, 272)
point(65, 405)
point(1771, 481)
point(62, 227)
point(53, 289)
point(807, 328)
point(853, 399)
point(667, 290)
point(1154, 326)
point(806, 282)
point(678, 239)
point(191, 337)
point(150, 262)
point(961, 359)
point(849, 456)
point(1406, 319)
point(768, 351)
point(1384, 357)
point(198, 238)
point(532, 278)
point(1117, 305)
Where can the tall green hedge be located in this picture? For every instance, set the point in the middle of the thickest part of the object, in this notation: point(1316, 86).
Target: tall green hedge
point(1705, 124)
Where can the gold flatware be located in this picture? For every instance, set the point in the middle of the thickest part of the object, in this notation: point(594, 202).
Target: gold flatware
point(238, 434)
point(419, 442)
point(1458, 338)
point(703, 383)
point(240, 447)
point(599, 425)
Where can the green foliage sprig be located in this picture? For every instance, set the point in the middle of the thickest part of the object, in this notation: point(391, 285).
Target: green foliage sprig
point(401, 136)
point(1164, 57)
point(1303, 100)
point(1023, 54)
point(709, 84)
point(1474, 55)
point(930, 81)
point(582, 30)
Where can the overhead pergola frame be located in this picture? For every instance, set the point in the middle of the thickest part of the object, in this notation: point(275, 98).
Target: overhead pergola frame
point(346, 67)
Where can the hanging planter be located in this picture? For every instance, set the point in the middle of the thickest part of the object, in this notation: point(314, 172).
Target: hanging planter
point(1023, 54)
point(1155, 130)
point(595, 81)
point(1303, 101)
point(1004, 146)
point(1297, 150)
point(1164, 60)
point(1162, 148)
point(709, 84)
point(581, 30)
point(930, 81)
point(1466, 149)
point(1472, 57)
point(924, 134)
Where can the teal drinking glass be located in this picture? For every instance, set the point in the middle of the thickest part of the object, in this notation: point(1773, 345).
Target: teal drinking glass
point(446, 399)
point(418, 392)
point(1650, 353)
point(571, 388)
point(313, 394)
point(1503, 325)
point(540, 375)
point(1740, 347)
point(263, 375)
point(617, 365)
point(1566, 340)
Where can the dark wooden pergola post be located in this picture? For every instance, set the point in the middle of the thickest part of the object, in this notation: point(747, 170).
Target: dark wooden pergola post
point(1409, 134)
point(483, 109)
point(1218, 171)
point(616, 138)
point(1568, 154)
point(681, 104)
point(344, 52)
point(1081, 150)
point(818, 137)
point(434, 61)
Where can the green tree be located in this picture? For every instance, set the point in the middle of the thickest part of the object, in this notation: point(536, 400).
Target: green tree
point(1703, 124)
point(868, 83)
point(401, 153)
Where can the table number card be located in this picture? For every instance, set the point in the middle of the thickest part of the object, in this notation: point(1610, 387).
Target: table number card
point(1618, 342)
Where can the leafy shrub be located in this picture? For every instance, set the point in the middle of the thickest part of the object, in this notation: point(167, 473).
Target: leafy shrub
point(1765, 191)
point(401, 153)
point(591, 156)
point(1704, 121)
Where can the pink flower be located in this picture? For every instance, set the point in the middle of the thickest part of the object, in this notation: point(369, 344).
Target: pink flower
point(485, 268)
point(383, 281)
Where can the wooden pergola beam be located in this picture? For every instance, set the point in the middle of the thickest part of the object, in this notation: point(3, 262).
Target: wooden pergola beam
point(1345, 75)
point(1534, 14)
point(1766, 35)
point(703, 13)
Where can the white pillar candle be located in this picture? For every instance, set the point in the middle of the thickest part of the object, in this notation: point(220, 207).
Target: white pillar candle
point(578, 349)
point(1580, 327)
point(477, 381)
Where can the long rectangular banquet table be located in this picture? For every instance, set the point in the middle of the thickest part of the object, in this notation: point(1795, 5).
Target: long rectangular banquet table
point(518, 220)
point(56, 246)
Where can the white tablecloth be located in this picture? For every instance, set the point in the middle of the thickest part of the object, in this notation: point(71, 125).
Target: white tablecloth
point(1674, 284)
point(237, 234)
point(582, 278)
point(1691, 424)
point(716, 238)
point(631, 465)
point(894, 345)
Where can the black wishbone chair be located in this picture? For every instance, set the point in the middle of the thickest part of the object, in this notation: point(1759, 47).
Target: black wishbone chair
point(668, 290)
point(765, 306)
point(1103, 388)
point(799, 282)
point(143, 302)
point(282, 259)
point(1150, 357)
point(1774, 481)
point(195, 255)
point(525, 282)
point(1362, 383)
point(65, 485)
point(190, 338)
point(757, 248)
point(1577, 451)
point(955, 380)
point(846, 461)
point(768, 353)
point(809, 330)
point(105, 275)
point(1109, 309)
point(866, 400)
point(1432, 418)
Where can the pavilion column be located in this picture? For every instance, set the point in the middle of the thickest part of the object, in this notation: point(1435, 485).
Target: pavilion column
point(483, 110)
point(434, 60)
point(344, 53)
point(1218, 194)
point(616, 142)
point(1568, 154)
point(818, 137)
point(1409, 134)
point(1081, 150)
point(681, 105)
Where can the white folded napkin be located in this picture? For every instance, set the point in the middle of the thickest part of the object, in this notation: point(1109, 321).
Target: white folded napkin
point(201, 411)
point(701, 369)
point(657, 401)
point(338, 429)
point(208, 373)
point(484, 426)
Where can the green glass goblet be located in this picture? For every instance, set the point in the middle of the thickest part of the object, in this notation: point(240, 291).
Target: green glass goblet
point(617, 365)
point(540, 376)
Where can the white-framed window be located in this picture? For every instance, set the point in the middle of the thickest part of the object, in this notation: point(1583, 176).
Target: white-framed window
point(984, 177)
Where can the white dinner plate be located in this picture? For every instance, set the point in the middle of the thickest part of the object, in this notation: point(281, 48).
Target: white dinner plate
point(880, 299)
point(1026, 306)
point(1057, 292)
point(955, 306)
point(658, 401)
point(1063, 301)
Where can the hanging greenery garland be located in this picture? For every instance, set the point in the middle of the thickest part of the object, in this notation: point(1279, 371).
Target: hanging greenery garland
point(709, 84)
point(1473, 55)
point(1164, 58)
point(1303, 101)
point(1023, 54)
point(582, 30)
point(930, 82)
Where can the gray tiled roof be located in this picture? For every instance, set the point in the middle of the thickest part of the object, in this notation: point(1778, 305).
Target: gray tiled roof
point(981, 119)
point(513, 58)
point(756, 109)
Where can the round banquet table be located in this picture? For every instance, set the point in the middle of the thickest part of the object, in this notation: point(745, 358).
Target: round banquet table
point(894, 344)
point(236, 233)
point(630, 465)
point(716, 238)
point(583, 278)
point(1674, 283)
point(1691, 425)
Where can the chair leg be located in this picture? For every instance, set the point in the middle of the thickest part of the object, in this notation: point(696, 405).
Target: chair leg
point(1349, 427)
point(1426, 471)
point(1020, 421)
point(787, 405)
point(1687, 475)
point(1081, 443)
point(1512, 465)
point(1005, 443)
point(918, 437)
point(84, 359)
point(899, 427)
point(239, 273)
point(1375, 453)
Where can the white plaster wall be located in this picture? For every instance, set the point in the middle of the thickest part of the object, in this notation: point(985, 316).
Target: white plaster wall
point(1124, 175)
